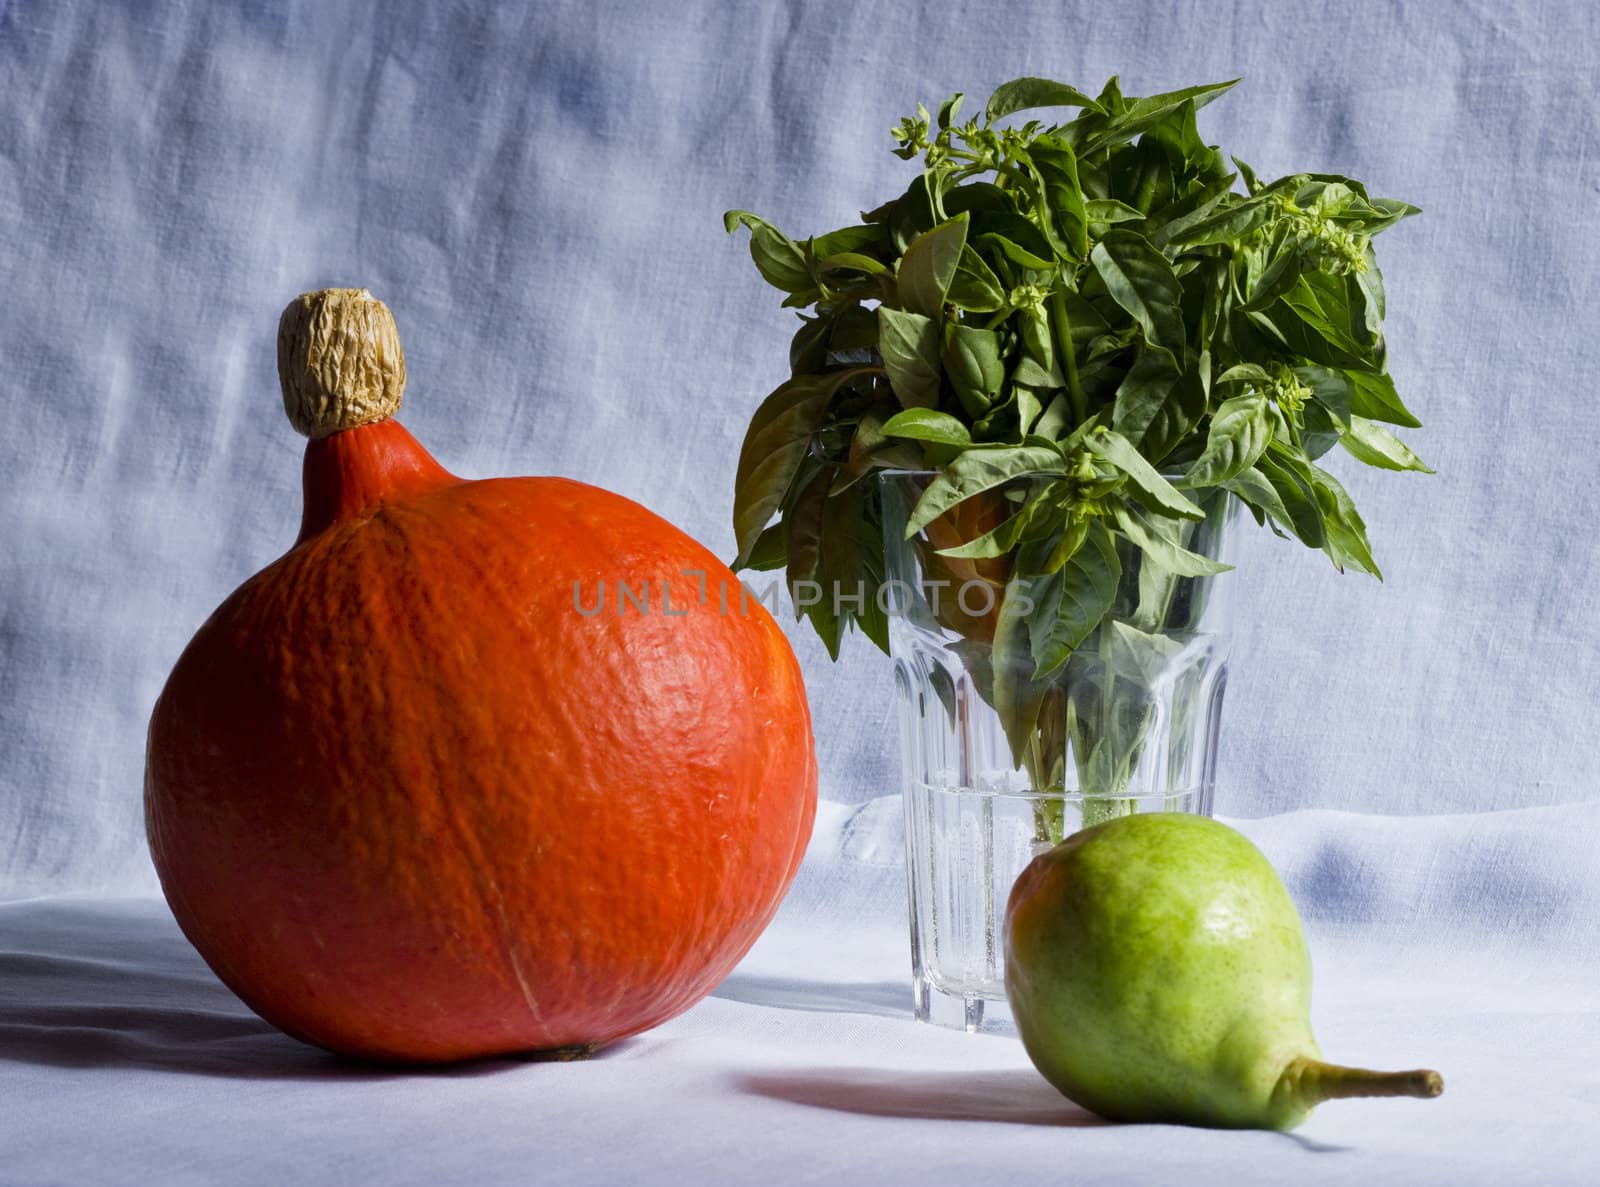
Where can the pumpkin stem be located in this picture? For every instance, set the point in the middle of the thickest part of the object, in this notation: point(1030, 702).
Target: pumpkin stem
point(339, 361)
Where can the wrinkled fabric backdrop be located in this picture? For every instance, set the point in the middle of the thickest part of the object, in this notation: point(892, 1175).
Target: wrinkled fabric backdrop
point(536, 190)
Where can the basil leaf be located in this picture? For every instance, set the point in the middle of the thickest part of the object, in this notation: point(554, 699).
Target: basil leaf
point(976, 471)
point(1178, 414)
point(1057, 169)
point(1374, 397)
point(1143, 391)
point(909, 344)
point(972, 363)
point(768, 552)
point(1017, 253)
point(1327, 312)
point(777, 440)
point(852, 563)
point(1229, 223)
point(808, 349)
point(1143, 657)
point(1370, 442)
point(1140, 279)
point(778, 258)
point(1150, 488)
point(849, 261)
point(1240, 431)
point(1298, 496)
point(924, 424)
point(1017, 696)
point(1053, 421)
point(1135, 117)
point(1024, 94)
point(851, 240)
point(1332, 389)
point(975, 287)
point(1109, 210)
point(949, 109)
point(929, 265)
point(1071, 602)
point(1252, 486)
point(1319, 431)
point(803, 541)
point(1346, 535)
point(1181, 215)
point(1002, 538)
point(1150, 535)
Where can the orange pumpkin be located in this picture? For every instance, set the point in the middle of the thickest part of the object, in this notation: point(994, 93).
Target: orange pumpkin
point(414, 797)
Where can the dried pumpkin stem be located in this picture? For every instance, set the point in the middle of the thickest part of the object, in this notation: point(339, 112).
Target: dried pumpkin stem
point(339, 361)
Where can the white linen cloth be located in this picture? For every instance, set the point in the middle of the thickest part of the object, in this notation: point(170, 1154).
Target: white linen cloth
point(1460, 943)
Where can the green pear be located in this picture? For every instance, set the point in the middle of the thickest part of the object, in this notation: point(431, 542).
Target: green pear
point(1157, 971)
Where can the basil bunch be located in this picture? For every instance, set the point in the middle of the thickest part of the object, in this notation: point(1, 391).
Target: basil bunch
point(1092, 305)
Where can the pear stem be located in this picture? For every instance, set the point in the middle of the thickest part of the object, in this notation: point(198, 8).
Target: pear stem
point(1315, 1081)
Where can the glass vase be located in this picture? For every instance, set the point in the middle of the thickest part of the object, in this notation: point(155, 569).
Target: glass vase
point(1128, 723)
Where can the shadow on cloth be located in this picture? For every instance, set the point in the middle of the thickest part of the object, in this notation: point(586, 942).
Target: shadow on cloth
point(121, 988)
point(886, 999)
point(1019, 1096)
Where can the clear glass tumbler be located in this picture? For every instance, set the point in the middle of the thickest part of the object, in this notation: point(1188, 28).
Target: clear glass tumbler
point(1128, 724)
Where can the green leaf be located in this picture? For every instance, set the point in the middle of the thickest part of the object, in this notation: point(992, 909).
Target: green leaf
point(852, 262)
point(1022, 256)
point(1331, 389)
point(1192, 208)
point(1024, 94)
point(999, 540)
point(808, 349)
point(1326, 312)
point(1346, 542)
point(925, 424)
point(1017, 696)
point(1143, 391)
point(805, 538)
point(1298, 496)
point(1152, 489)
point(1055, 418)
point(929, 265)
point(1109, 210)
point(1056, 169)
point(779, 259)
point(852, 563)
point(1252, 486)
point(775, 443)
point(976, 471)
point(854, 328)
point(973, 364)
point(1141, 113)
point(768, 552)
point(1374, 397)
point(1151, 536)
point(1319, 432)
point(1240, 431)
point(949, 109)
point(1370, 442)
point(975, 287)
point(909, 344)
point(1178, 414)
point(1142, 657)
point(1229, 223)
point(1276, 276)
point(1140, 279)
point(850, 240)
point(1251, 183)
point(1071, 602)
